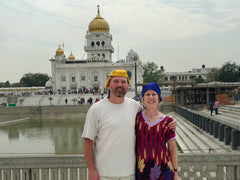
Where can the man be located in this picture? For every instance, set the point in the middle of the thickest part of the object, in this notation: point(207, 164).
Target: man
point(109, 132)
point(211, 104)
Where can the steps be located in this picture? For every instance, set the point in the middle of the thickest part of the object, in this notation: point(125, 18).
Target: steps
point(191, 139)
point(230, 116)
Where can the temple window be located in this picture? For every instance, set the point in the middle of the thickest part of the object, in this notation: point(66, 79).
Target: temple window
point(63, 78)
point(73, 79)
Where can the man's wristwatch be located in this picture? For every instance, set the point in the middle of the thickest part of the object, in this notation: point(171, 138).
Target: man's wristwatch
point(175, 170)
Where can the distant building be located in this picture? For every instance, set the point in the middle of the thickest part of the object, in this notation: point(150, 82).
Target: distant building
point(189, 75)
point(176, 79)
point(70, 74)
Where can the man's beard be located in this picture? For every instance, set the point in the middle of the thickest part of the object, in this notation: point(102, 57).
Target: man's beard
point(119, 92)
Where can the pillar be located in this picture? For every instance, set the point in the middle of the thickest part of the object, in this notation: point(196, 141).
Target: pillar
point(227, 135)
point(201, 120)
point(211, 127)
point(235, 139)
point(207, 96)
point(220, 132)
point(206, 124)
point(182, 102)
point(215, 129)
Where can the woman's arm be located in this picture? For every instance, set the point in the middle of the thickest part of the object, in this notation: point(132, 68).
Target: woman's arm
point(173, 155)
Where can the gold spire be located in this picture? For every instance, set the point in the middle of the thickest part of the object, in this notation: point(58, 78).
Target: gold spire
point(98, 9)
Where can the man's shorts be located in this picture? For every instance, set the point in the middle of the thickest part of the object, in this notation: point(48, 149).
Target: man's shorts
point(132, 177)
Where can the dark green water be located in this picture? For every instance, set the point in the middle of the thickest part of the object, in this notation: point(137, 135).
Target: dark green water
point(42, 137)
point(46, 136)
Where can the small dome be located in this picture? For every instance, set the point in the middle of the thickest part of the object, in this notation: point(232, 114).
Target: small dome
point(132, 52)
point(71, 57)
point(98, 24)
point(139, 59)
point(49, 83)
point(59, 51)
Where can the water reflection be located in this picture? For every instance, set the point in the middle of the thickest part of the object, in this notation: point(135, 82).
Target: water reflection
point(46, 136)
point(42, 136)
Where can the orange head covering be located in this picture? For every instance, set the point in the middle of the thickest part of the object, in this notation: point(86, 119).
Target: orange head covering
point(117, 73)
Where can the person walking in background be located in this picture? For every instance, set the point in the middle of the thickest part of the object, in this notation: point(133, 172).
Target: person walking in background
point(109, 132)
point(66, 100)
point(211, 104)
point(155, 159)
point(216, 105)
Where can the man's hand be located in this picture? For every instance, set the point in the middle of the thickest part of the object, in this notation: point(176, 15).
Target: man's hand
point(93, 174)
point(89, 156)
point(172, 125)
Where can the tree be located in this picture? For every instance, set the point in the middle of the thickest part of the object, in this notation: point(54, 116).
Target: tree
point(152, 73)
point(230, 72)
point(17, 84)
point(199, 80)
point(6, 84)
point(37, 79)
point(213, 76)
point(21, 101)
point(74, 100)
point(50, 100)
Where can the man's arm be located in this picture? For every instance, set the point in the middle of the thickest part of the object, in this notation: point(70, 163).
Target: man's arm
point(89, 156)
point(172, 125)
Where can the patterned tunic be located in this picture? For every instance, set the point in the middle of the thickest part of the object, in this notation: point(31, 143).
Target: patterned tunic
point(153, 156)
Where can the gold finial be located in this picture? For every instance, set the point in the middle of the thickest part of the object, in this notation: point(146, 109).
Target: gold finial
point(98, 9)
point(59, 51)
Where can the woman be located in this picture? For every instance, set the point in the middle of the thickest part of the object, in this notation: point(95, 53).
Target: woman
point(155, 160)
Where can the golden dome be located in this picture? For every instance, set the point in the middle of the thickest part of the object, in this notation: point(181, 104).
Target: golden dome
point(71, 57)
point(98, 24)
point(140, 59)
point(59, 51)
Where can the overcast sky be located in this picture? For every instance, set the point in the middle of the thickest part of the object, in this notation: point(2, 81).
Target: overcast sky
point(177, 34)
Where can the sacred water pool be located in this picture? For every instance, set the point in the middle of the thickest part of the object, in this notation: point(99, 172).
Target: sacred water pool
point(46, 136)
point(42, 137)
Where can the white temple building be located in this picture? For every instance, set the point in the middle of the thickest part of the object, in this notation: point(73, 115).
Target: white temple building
point(70, 74)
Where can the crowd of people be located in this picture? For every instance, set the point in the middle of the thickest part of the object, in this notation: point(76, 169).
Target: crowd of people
point(81, 100)
point(84, 90)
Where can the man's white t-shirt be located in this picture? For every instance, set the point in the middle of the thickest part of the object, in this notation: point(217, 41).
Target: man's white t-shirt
point(112, 128)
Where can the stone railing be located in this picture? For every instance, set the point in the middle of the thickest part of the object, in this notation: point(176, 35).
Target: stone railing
point(73, 167)
point(224, 130)
point(210, 167)
point(43, 167)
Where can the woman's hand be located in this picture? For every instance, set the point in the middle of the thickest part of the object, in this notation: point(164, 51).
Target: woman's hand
point(176, 176)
